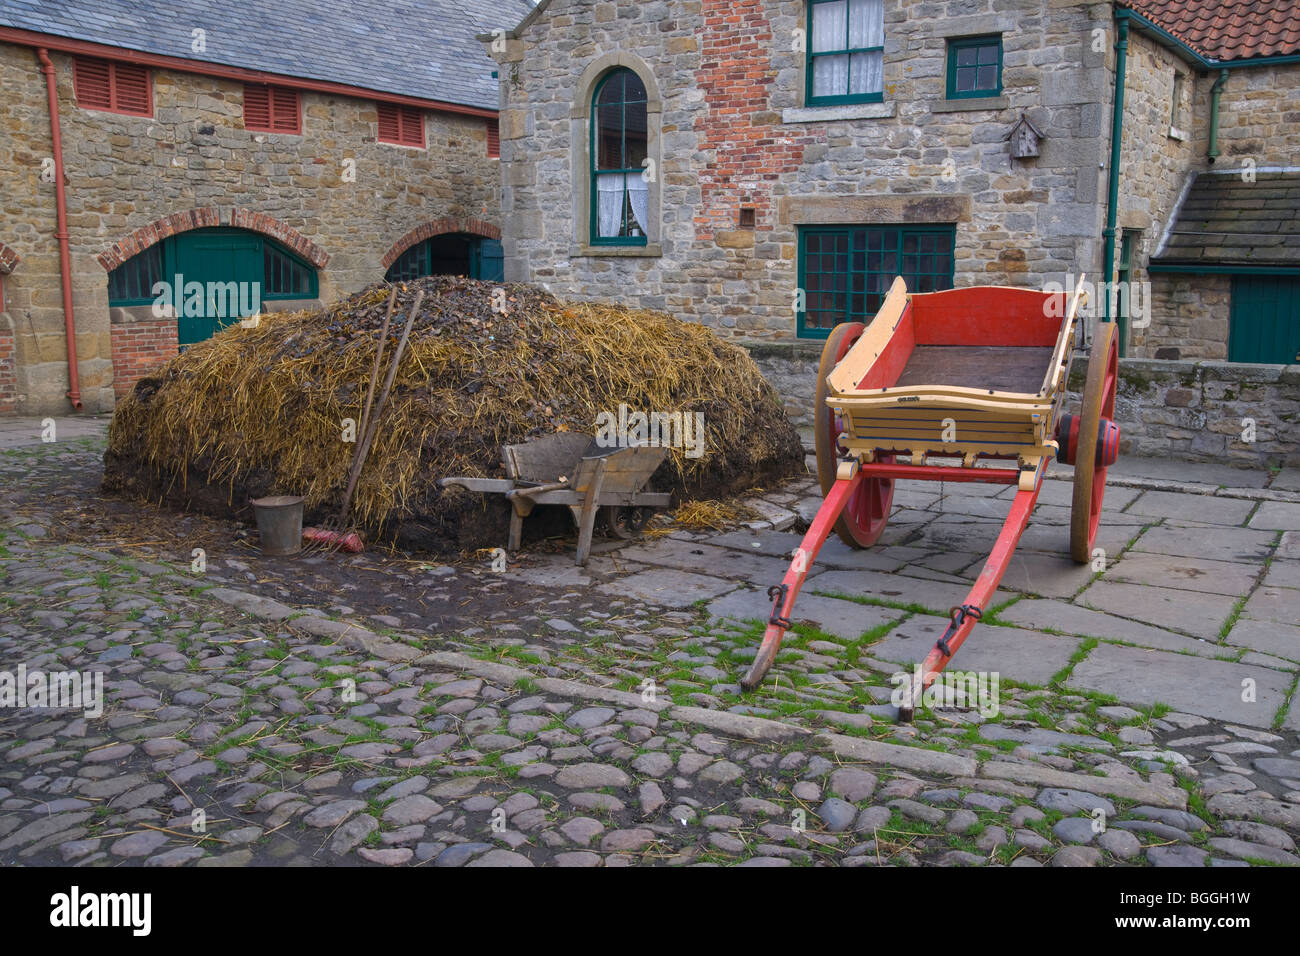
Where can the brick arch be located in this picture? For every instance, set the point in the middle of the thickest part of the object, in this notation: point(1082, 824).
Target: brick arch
point(437, 227)
point(8, 259)
point(205, 217)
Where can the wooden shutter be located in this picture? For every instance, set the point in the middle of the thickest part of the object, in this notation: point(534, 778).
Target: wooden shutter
point(402, 125)
point(131, 92)
point(286, 116)
point(92, 84)
point(271, 109)
point(115, 87)
point(493, 138)
point(257, 107)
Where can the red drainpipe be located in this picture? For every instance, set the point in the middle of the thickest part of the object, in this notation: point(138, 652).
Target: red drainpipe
point(61, 233)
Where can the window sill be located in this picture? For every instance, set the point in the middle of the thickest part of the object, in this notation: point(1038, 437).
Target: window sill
point(1178, 134)
point(970, 104)
point(850, 111)
point(650, 250)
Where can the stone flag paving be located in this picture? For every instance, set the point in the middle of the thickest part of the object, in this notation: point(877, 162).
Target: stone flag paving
point(376, 710)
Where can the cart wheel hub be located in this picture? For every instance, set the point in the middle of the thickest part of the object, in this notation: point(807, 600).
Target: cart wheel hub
point(1067, 437)
point(1107, 443)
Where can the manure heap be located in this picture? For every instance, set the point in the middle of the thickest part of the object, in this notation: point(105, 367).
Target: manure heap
point(263, 410)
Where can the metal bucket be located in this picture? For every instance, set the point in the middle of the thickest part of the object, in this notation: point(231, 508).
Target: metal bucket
point(279, 523)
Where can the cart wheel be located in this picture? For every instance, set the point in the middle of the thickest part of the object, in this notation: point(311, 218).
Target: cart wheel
point(867, 512)
point(1091, 461)
point(626, 522)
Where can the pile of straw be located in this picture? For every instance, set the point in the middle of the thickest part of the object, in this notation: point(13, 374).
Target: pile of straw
point(262, 410)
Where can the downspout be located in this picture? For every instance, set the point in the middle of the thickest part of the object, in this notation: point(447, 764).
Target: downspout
point(1216, 92)
point(1116, 138)
point(61, 232)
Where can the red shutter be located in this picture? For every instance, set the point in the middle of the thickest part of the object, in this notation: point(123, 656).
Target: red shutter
point(493, 138)
point(412, 126)
point(257, 107)
point(115, 87)
point(286, 114)
point(271, 109)
point(390, 124)
point(90, 80)
point(402, 125)
point(131, 92)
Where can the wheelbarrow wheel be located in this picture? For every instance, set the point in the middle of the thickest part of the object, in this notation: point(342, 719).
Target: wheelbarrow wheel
point(1098, 440)
point(867, 511)
point(627, 522)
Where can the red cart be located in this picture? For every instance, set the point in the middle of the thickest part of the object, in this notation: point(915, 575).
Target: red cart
point(971, 374)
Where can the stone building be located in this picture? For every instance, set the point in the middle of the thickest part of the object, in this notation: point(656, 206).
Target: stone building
point(766, 167)
point(272, 173)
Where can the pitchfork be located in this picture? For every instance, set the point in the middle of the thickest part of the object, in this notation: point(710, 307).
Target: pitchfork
point(334, 532)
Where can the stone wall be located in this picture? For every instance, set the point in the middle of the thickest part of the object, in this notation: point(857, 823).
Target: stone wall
point(1190, 318)
point(1242, 415)
point(1157, 161)
point(125, 172)
point(729, 130)
point(1259, 116)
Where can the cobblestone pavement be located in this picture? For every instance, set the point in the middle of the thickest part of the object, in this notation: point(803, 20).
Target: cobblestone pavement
point(375, 710)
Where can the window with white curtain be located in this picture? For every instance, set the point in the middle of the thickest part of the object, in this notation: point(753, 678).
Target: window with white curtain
point(620, 193)
point(846, 51)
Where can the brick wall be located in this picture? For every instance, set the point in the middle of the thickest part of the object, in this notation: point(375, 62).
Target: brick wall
point(138, 348)
point(8, 380)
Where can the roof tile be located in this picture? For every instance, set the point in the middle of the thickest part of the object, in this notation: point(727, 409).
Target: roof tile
point(1218, 224)
point(1227, 29)
point(421, 48)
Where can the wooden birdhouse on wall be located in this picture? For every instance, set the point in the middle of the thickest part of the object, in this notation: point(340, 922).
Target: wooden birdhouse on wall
point(1024, 137)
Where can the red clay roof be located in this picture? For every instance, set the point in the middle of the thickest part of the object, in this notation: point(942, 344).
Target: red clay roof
point(1227, 29)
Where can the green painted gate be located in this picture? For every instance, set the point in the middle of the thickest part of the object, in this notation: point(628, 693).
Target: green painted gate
point(1265, 320)
point(213, 258)
point(487, 261)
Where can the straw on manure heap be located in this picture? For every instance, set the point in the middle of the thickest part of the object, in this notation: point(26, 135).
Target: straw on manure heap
point(262, 410)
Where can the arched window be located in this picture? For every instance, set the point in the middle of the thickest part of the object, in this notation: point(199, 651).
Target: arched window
point(211, 277)
point(450, 254)
point(619, 147)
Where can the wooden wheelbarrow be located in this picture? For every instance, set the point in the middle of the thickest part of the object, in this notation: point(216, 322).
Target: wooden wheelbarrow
point(571, 469)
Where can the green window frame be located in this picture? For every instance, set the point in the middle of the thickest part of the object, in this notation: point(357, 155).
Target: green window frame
point(618, 146)
point(1123, 302)
point(132, 282)
point(856, 49)
point(975, 67)
point(410, 265)
point(845, 271)
point(284, 274)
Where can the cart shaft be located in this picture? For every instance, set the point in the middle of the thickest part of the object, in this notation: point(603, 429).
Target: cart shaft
point(785, 593)
point(964, 617)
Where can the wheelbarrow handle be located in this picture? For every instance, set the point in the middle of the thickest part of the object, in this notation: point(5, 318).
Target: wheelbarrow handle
point(537, 489)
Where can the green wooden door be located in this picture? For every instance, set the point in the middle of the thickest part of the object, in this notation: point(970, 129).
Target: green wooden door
point(487, 261)
point(1265, 320)
point(216, 258)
